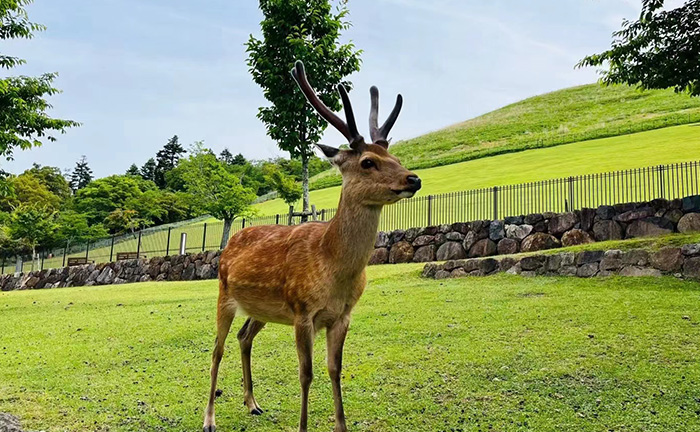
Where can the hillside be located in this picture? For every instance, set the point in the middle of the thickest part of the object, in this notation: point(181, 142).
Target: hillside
point(661, 146)
point(565, 116)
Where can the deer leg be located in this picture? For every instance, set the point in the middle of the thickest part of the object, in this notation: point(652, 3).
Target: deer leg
point(224, 317)
point(245, 339)
point(335, 339)
point(304, 333)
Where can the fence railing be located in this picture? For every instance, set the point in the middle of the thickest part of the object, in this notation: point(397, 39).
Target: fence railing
point(555, 195)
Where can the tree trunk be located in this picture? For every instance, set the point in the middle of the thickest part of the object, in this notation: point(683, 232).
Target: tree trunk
point(224, 236)
point(305, 186)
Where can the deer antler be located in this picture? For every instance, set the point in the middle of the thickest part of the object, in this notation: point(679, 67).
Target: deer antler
point(349, 129)
point(379, 135)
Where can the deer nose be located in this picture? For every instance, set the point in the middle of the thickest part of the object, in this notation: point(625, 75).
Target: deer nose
point(414, 183)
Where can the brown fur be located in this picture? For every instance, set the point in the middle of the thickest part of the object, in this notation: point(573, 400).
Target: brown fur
point(309, 276)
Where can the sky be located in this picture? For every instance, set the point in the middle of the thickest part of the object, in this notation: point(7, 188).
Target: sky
point(137, 72)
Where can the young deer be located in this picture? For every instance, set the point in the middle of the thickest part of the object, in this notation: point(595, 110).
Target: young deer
point(310, 276)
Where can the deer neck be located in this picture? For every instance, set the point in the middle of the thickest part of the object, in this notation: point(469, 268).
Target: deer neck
point(350, 236)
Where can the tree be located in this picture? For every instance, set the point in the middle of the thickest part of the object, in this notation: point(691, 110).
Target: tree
point(214, 189)
point(73, 227)
point(102, 196)
point(52, 178)
point(239, 159)
point(226, 157)
point(81, 175)
point(659, 50)
point(120, 221)
point(24, 121)
point(32, 225)
point(166, 160)
point(133, 170)
point(285, 186)
point(306, 30)
point(28, 190)
point(148, 170)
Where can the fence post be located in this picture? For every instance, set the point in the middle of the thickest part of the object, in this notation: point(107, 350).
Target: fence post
point(111, 250)
point(41, 266)
point(183, 243)
point(277, 219)
point(571, 195)
point(87, 250)
point(65, 252)
point(495, 203)
point(243, 223)
point(167, 244)
point(138, 246)
point(291, 212)
point(2, 272)
point(314, 216)
point(661, 180)
point(430, 210)
point(204, 237)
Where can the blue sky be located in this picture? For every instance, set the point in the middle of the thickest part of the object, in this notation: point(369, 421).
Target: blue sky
point(136, 72)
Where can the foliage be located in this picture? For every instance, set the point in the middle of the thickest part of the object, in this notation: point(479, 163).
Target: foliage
point(28, 190)
point(120, 221)
point(73, 227)
point(52, 178)
point(23, 99)
point(101, 197)
point(285, 186)
point(133, 170)
point(306, 30)
point(81, 175)
point(226, 157)
point(32, 225)
point(166, 160)
point(658, 51)
point(148, 170)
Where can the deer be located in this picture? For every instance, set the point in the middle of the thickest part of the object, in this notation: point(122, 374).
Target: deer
point(310, 276)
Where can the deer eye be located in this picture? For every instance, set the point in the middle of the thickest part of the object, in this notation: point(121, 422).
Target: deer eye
point(367, 164)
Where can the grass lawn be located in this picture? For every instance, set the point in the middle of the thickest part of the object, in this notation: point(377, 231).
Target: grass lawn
point(499, 353)
point(662, 146)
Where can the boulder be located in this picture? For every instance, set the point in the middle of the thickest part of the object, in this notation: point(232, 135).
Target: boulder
point(508, 246)
point(470, 265)
point(513, 220)
point(674, 215)
point(612, 260)
point(397, 235)
point(553, 263)
point(587, 270)
point(518, 232)
point(691, 249)
point(450, 251)
point(454, 236)
point(649, 227)
point(382, 240)
point(533, 218)
point(440, 238)
point(106, 276)
point(668, 259)
point(605, 230)
point(429, 270)
point(488, 266)
point(605, 212)
point(9, 423)
point(431, 230)
point(691, 204)
point(496, 230)
point(540, 226)
point(469, 240)
point(624, 207)
point(458, 272)
point(442, 274)
point(188, 273)
point(444, 229)
point(424, 254)
point(689, 223)
point(635, 257)
point(576, 237)
point(401, 252)
point(483, 248)
point(532, 262)
point(507, 263)
point(633, 215)
point(636, 271)
point(423, 240)
point(691, 268)
point(460, 227)
point(587, 218)
point(561, 223)
point(411, 234)
point(588, 257)
point(539, 241)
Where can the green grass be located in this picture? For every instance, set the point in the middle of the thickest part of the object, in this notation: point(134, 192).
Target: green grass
point(661, 146)
point(501, 353)
point(565, 116)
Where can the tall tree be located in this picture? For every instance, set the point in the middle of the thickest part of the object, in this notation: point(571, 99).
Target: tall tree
point(148, 170)
point(32, 225)
point(307, 30)
point(239, 159)
point(214, 189)
point(166, 160)
point(226, 157)
point(52, 178)
point(24, 121)
point(133, 170)
point(81, 175)
point(659, 50)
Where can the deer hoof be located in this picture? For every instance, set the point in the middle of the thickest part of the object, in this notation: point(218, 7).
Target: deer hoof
point(256, 411)
point(211, 428)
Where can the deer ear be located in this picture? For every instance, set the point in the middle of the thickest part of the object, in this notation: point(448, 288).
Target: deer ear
point(328, 151)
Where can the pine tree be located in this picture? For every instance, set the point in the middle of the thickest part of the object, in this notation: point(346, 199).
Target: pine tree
point(148, 170)
point(133, 170)
point(167, 159)
point(226, 157)
point(239, 159)
point(81, 175)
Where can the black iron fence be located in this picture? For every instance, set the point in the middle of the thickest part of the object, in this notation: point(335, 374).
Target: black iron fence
point(555, 195)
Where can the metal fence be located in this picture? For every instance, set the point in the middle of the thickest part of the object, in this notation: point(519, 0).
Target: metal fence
point(555, 195)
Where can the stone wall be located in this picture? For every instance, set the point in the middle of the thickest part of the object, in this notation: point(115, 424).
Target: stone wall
point(204, 265)
point(682, 262)
point(536, 232)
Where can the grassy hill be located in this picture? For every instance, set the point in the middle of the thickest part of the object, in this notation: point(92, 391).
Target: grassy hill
point(565, 116)
point(661, 146)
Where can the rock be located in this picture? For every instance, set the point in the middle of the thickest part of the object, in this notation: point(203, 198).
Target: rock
point(576, 237)
point(605, 230)
point(431, 230)
point(496, 230)
point(532, 262)
point(673, 215)
point(605, 212)
point(634, 215)
point(624, 207)
point(539, 241)
point(481, 229)
point(382, 240)
point(454, 236)
point(540, 226)
point(483, 248)
point(533, 218)
point(568, 270)
point(397, 235)
point(442, 274)
point(612, 260)
point(470, 265)
point(411, 234)
point(691, 204)
point(568, 258)
point(561, 223)
point(518, 232)
point(588, 257)
point(106, 276)
point(188, 273)
point(587, 270)
point(635, 257)
point(668, 259)
point(689, 223)
point(145, 278)
point(9, 423)
point(508, 246)
point(460, 227)
point(506, 263)
point(450, 251)
point(440, 239)
point(458, 272)
point(553, 263)
point(691, 249)
point(429, 270)
point(423, 240)
point(650, 227)
point(453, 264)
point(639, 271)
point(587, 218)
point(444, 229)
point(424, 254)
point(513, 220)
point(691, 268)
point(379, 256)
point(401, 252)
point(488, 266)
point(548, 215)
